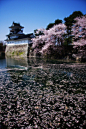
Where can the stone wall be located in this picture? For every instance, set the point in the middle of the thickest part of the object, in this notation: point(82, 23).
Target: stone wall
point(17, 50)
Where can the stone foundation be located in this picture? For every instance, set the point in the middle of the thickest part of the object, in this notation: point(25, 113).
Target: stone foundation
point(17, 50)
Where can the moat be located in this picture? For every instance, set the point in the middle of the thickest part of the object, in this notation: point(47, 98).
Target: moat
point(39, 93)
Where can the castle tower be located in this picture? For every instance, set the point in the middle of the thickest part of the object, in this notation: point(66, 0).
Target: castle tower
point(16, 35)
point(17, 41)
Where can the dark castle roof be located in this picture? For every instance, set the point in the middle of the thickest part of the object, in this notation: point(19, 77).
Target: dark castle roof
point(14, 25)
point(16, 32)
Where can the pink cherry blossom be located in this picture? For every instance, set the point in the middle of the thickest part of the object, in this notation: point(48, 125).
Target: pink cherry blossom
point(50, 37)
point(79, 31)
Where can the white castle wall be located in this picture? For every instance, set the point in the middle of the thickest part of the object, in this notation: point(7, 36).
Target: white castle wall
point(17, 50)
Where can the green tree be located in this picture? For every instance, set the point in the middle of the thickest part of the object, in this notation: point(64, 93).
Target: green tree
point(50, 25)
point(58, 21)
point(70, 20)
point(37, 34)
point(69, 23)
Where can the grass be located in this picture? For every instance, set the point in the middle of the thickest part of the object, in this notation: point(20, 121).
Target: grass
point(16, 53)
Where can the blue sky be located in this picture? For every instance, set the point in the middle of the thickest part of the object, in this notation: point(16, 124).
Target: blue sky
point(35, 14)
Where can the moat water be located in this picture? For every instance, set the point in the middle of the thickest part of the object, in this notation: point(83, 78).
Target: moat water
point(39, 93)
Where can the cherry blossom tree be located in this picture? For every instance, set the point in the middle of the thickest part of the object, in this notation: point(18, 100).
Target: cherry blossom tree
point(79, 31)
point(51, 37)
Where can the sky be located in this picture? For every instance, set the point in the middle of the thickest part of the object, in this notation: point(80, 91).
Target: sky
point(35, 14)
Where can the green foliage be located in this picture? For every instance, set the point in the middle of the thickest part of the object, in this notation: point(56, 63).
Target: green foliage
point(70, 20)
point(50, 25)
point(20, 53)
point(16, 53)
point(57, 22)
point(67, 41)
point(35, 32)
point(1, 44)
point(13, 53)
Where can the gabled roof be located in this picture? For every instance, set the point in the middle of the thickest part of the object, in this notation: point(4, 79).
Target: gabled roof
point(16, 25)
point(28, 36)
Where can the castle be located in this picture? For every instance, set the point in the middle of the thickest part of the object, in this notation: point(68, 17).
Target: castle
point(17, 41)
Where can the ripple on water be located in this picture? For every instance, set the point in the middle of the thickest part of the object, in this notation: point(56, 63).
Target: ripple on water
point(50, 96)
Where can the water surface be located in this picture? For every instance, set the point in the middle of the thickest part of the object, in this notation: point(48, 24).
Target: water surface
point(39, 93)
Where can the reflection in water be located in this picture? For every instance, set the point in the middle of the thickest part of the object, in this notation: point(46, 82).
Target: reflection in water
point(2, 63)
point(36, 93)
point(16, 63)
